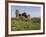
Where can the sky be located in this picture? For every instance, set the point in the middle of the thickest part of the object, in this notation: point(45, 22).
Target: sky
point(33, 11)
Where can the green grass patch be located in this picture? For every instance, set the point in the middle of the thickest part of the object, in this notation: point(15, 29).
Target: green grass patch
point(19, 25)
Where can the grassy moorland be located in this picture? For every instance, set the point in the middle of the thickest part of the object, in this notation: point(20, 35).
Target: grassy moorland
point(19, 25)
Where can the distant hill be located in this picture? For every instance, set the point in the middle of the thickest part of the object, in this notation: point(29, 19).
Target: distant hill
point(36, 19)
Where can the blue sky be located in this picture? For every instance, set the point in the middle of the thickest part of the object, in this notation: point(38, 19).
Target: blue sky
point(32, 10)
